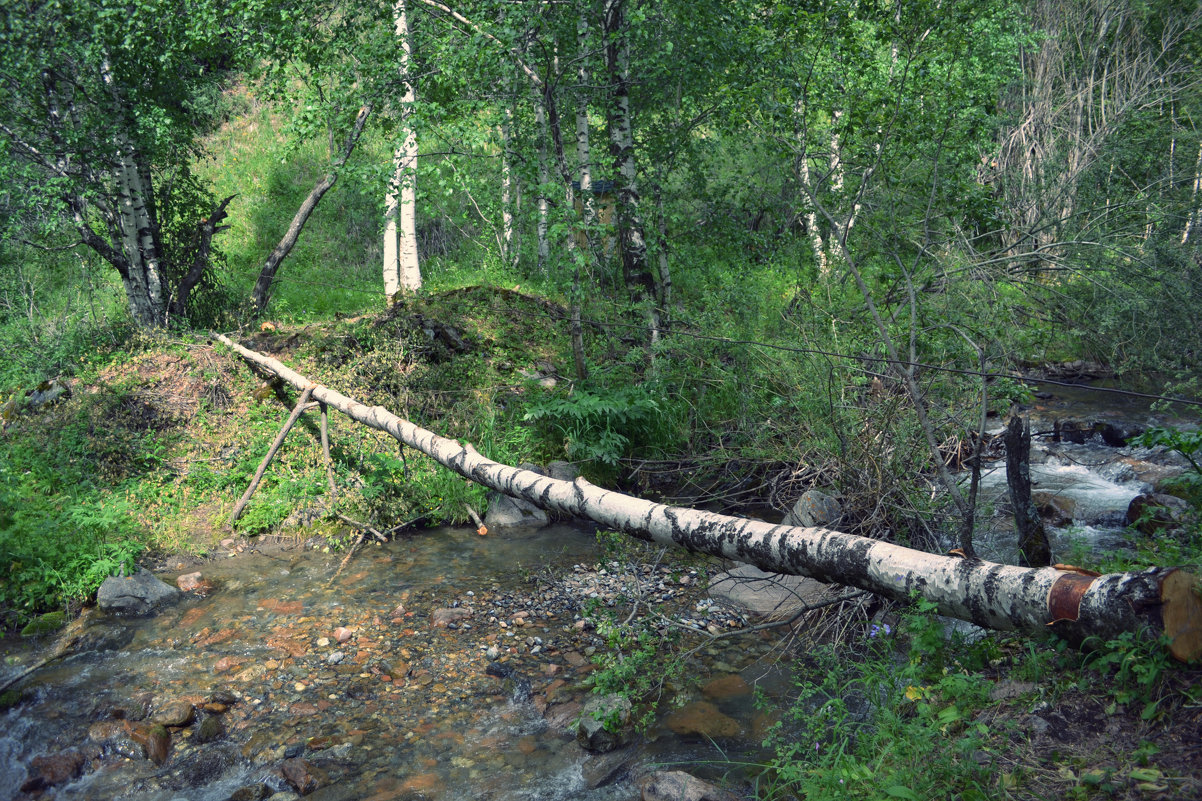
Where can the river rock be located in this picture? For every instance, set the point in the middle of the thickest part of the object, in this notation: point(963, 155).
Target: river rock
point(54, 769)
point(563, 471)
point(155, 741)
point(1152, 513)
point(507, 512)
point(195, 583)
point(770, 595)
point(732, 685)
point(175, 713)
point(1055, 510)
point(676, 785)
point(441, 618)
point(139, 594)
point(251, 792)
point(210, 729)
point(1108, 432)
point(702, 719)
point(814, 508)
point(593, 733)
point(602, 770)
point(302, 776)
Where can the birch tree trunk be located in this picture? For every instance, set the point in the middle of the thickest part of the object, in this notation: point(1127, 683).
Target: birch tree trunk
point(1076, 605)
point(583, 154)
point(509, 254)
point(402, 270)
point(1192, 212)
point(542, 224)
point(639, 277)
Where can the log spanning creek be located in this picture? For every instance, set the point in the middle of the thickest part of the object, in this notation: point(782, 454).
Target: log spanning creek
point(442, 666)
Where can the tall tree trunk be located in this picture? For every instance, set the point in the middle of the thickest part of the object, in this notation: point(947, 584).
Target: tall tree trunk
point(262, 291)
point(583, 153)
point(1077, 606)
point(1192, 213)
point(542, 225)
point(509, 254)
point(639, 278)
point(1033, 547)
point(402, 270)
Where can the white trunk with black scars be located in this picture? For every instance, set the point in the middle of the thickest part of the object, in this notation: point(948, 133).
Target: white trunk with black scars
point(1154, 601)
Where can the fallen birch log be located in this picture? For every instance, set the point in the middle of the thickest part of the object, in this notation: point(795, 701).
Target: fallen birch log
point(1078, 606)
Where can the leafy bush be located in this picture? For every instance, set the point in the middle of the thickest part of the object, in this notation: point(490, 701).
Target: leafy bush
point(600, 425)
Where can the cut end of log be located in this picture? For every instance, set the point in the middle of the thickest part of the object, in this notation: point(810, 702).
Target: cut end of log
point(482, 531)
point(1181, 593)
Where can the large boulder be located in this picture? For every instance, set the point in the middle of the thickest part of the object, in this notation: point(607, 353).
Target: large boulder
point(1152, 513)
point(770, 595)
point(505, 511)
point(815, 509)
point(139, 594)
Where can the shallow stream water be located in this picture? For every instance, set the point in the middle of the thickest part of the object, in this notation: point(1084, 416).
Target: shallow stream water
point(401, 708)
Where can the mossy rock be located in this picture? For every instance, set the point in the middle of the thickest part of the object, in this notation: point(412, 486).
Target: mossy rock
point(44, 624)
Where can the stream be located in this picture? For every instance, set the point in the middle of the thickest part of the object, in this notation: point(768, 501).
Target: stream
point(1082, 481)
point(446, 665)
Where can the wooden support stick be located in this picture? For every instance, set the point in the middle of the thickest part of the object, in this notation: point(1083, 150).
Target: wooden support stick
point(481, 529)
point(297, 411)
point(325, 449)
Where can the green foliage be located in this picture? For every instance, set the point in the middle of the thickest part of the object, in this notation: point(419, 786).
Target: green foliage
point(600, 425)
point(1132, 669)
point(879, 726)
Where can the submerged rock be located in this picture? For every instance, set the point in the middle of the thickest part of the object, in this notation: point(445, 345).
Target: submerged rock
point(139, 594)
point(676, 785)
point(54, 769)
point(702, 719)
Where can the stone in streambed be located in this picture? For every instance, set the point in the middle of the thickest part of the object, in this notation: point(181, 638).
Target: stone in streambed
point(251, 792)
point(210, 729)
point(139, 594)
point(175, 713)
point(155, 741)
point(676, 785)
point(604, 723)
point(302, 775)
point(702, 719)
point(441, 618)
point(54, 769)
point(729, 686)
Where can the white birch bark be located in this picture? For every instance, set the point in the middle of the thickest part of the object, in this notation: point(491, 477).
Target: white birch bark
point(402, 270)
point(143, 280)
point(1192, 212)
point(542, 224)
point(508, 251)
point(583, 154)
point(1078, 606)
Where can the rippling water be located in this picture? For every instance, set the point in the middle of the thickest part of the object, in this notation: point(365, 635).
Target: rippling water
point(399, 710)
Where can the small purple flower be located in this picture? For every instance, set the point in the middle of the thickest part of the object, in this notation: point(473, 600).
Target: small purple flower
point(884, 628)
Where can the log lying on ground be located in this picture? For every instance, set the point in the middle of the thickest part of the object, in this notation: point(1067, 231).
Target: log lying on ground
point(1078, 606)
